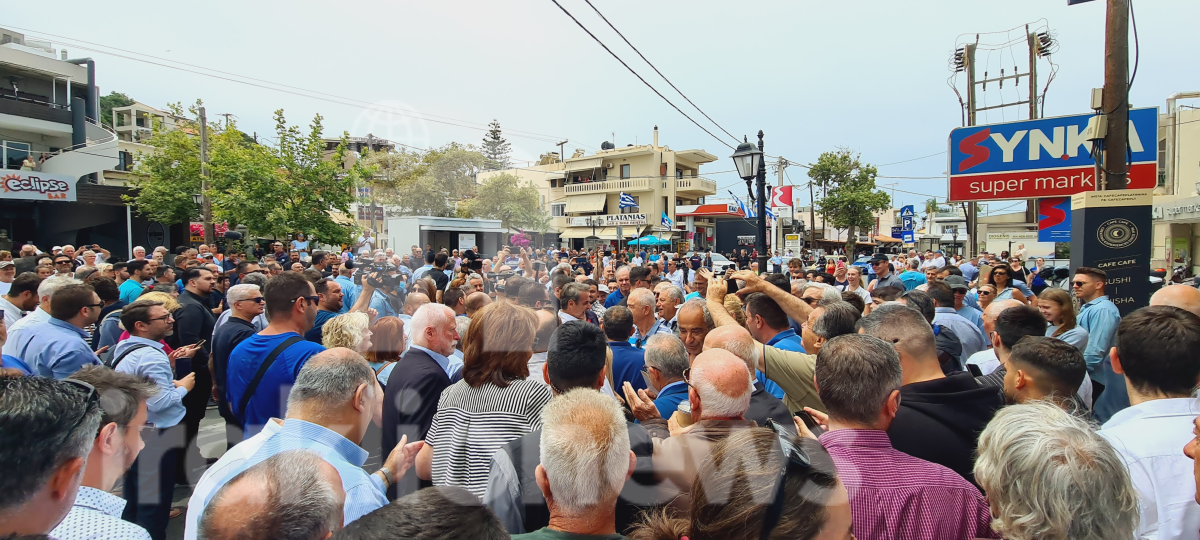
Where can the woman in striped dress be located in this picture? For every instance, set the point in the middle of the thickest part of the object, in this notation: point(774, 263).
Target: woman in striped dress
point(491, 405)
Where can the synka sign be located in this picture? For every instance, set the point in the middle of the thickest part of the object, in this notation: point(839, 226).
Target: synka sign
point(609, 220)
point(1046, 157)
point(35, 186)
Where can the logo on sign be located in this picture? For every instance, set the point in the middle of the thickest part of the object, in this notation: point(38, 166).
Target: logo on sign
point(16, 183)
point(1117, 233)
point(1054, 220)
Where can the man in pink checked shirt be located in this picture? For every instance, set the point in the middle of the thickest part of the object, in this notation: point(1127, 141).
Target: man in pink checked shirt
point(893, 495)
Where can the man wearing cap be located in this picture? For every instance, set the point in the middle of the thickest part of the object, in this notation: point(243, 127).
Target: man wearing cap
point(8, 271)
point(958, 285)
point(884, 276)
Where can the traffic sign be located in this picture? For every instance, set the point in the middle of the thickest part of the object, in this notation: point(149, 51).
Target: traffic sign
point(1046, 157)
point(907, 211)
point(908, 237)
point(906, 223)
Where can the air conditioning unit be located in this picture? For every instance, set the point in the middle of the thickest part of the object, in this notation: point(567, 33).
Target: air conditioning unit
point(863, 239)
point(608, 165)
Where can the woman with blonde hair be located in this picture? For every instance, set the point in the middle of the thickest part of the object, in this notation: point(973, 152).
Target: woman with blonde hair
point(387, 345)
point(350, 330)
point(106, 270)
point(986, 293)
point(168, 302)
point(492, 404)
point(1059, 309)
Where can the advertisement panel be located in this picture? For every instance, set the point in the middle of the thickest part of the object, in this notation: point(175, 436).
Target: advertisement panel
point(37, 186)
point(1054, 220)
point(1045, 157)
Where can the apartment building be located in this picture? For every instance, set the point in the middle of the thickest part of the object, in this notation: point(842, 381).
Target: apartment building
point(582, 193)
point(51, 149)
point(134, 125)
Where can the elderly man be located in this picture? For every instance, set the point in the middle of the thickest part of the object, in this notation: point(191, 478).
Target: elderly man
point(719, 390)
point(585, 461)
point(56, 421)
point(930, 501)
point(666, 361)
point(97, 512)
point(1180, 296)
point(335, 397)
point(939, 414)
point(699, 284)
point(412, 393)
point(628, 361)
point(623, 287)
point(245, 305)
point(764, 404)
point(645, 322)
point(58, 347)
point(694, 325)
point(293, 494)
point(476, 301)
point(667, 300)
point(960, 290)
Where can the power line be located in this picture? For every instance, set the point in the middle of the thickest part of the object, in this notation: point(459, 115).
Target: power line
point(913, 159)
point(664, 77)
point(635, 74)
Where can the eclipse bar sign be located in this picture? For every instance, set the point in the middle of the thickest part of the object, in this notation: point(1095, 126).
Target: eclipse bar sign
point(1046, 157)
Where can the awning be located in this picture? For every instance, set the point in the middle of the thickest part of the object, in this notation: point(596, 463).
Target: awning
point(604, 233)
point(886, 239)
point(583, 164)
point(593, 202)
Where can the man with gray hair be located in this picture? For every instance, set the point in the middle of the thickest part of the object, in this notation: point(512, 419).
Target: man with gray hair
point(668, 297)
point(39, 315)
point(719, 390)
point(573, 302)
point(763, 405)
point(585, 461)
point(666, 360)
point(334, 399)
point(47, 429)
point(245, 303)
point(645, 322)
point(892, 494)
point(293, 495)
point(694, 323)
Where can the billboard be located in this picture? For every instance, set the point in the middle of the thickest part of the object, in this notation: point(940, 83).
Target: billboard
point(1054, 219)
point(37, 186)
point(1045, 157)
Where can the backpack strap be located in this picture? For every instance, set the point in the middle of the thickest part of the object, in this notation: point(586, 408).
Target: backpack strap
point(262, 370)
point(117, 360)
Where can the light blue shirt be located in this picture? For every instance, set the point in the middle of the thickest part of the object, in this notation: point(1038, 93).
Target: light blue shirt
point(350, 293)
point(1100, 318)
point(364, 492)
point(381, 304)
point(55, 349)
point(659, 327)
point(1078, 337)
point(974, 315)
point(970, 336)
point(970, 272)
point(444, 362)
point(164, 409)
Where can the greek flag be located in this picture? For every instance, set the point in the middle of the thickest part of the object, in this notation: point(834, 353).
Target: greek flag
point(770, 216)
point(666, 221)
point(627, 201)
point(746, 211)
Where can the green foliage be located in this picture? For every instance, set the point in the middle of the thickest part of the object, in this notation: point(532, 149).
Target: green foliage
point(110, 102)
point(495, 148)
point(423, 183)
point(506, 198)
point(850, 196)
point(165, 180)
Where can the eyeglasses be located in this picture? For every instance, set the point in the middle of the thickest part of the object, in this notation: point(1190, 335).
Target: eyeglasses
point(796, 459)
point(101, 304)
point(1078, 283)
point(87, 406)
point(258, 300)
point(62, 262)
point(166, 317)
point(310, 299)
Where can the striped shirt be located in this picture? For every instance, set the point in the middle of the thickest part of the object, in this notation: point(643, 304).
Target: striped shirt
point(471, 424)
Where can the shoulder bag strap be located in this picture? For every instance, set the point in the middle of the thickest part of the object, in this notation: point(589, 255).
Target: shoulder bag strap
point(118, 359)
point(262, 370)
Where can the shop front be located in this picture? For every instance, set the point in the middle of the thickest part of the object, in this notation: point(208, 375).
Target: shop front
point(1176, 230)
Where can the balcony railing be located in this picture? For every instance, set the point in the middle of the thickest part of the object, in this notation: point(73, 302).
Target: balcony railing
point(31, 108)
point(696, 184)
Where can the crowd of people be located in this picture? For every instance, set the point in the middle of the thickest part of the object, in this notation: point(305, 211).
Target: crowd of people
point(598, 394)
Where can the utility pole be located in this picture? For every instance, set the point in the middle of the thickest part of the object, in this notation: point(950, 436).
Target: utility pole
point(227, 115)
point(812, 218)
point(972, 208)
point(206, 205)
point(371, 187)
point(777, 227)
point(1116, 94)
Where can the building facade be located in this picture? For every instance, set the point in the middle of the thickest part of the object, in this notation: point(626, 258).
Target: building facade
point(582, 193)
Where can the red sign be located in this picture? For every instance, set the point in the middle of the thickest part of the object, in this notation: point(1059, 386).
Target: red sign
point(1043, 183)
point(781, 196)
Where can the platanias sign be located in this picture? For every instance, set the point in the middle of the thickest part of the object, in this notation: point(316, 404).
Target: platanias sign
point(1047, 157)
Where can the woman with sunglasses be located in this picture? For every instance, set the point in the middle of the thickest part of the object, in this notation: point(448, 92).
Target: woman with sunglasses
point(1059, 309)
point(987, 293)
point(1002, 278)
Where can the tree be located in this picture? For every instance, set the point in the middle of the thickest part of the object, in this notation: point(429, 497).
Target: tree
point(495, 148)
point(165, 179)
point(110, 102)
point(850, 196)
point(514, 203)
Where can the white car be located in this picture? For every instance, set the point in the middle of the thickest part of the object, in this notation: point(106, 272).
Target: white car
point(719, 261)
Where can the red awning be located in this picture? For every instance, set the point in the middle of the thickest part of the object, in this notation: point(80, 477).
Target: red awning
point(724, 210)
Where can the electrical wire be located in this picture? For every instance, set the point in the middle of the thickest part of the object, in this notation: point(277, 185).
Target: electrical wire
point(664, 77)
point(913, 159)
point(1137, 49)
point(635, 74)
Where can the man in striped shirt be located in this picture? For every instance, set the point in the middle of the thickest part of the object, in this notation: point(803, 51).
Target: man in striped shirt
point(892, 494)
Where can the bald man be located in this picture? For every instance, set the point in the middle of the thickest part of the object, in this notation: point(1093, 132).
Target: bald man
point(763, 405)
point(719, 391)
point(477, 301)
point(1180, 296)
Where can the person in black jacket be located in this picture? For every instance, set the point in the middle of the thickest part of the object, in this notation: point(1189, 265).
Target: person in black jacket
point(415, 386)
point(245, 303)
point(194, 323)
point(940, 416)
point(763, 405)
point(575, 360)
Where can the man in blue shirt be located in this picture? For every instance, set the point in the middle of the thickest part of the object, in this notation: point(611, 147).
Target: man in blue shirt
point(622, 291)
point(139, 271)
point(350, 291)
point(1100, 317)
point(768, 324)
point(958, 285)
point(142, 355)
point(912, 275)
point(628, 360)
point(329, 419)
point(665, 360)
point(291, 307)
point(969, 269)
point(58, 347)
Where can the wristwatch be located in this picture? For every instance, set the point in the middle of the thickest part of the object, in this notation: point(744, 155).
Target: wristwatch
point(387, 475)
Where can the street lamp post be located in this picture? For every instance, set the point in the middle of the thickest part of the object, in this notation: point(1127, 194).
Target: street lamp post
point(198, 200)
point(749, 163)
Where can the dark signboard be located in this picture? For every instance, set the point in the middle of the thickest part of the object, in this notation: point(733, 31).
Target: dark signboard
point(1111, 231)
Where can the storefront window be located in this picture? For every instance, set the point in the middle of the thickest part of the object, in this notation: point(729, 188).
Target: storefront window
point(14, 153)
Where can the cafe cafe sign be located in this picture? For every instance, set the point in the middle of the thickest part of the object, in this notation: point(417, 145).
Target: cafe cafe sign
point(609, 220)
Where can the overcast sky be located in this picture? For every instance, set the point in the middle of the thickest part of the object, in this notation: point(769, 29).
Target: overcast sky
point(814, 76)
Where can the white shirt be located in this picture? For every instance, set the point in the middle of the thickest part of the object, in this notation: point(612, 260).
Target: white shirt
point(209, 483)
point(36, 316)
point(12, 313)
point(566, 317)
point(5, 287)
point(986, 360)
point(676, 278)
point(96, 515)
point(1150, 437)
point(636, 261)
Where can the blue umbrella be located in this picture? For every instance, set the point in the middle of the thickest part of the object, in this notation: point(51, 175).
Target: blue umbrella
point(650, 241)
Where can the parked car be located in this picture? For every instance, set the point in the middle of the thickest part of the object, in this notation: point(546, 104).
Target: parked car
point(828, 258)
point(864, 263)
point(720, 262)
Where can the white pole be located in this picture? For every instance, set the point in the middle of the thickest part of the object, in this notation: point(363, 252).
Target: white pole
point(129, 229)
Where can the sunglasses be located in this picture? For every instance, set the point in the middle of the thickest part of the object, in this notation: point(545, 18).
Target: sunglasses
point(984, 293)
point(258, 300)
point(87, 406)
point(999, 273)
point(1078, 283)
point(310, 299)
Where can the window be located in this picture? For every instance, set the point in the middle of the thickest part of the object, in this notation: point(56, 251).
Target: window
point(124, 161)
point(624, 171)
point(636, 200)
point(558, 210)
point(13, 153)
